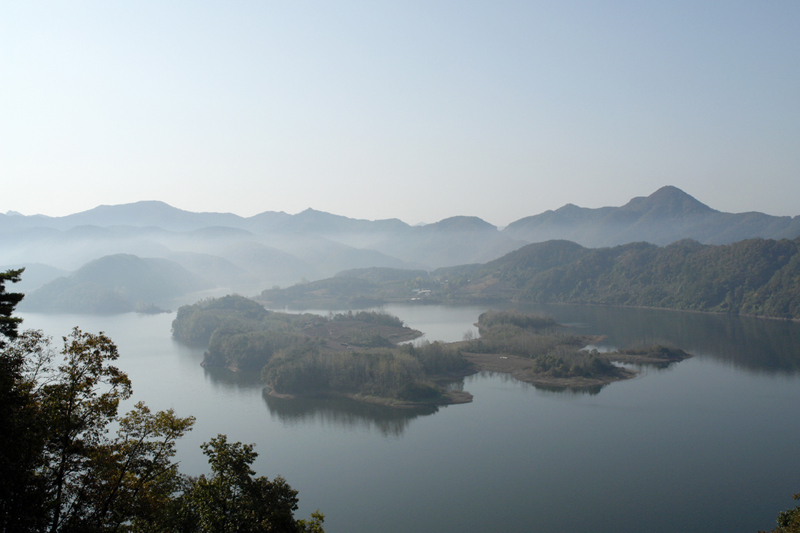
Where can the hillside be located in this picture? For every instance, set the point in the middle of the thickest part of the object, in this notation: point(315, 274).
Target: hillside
point(114, 284)
point(356, 288)
point(249, 254)
point(758, 277)
point(666, 216)
point(755, 277)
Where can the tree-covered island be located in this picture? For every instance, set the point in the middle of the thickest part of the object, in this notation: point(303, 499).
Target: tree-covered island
point(357, 355)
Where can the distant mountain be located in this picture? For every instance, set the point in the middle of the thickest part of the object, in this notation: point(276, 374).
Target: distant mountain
point(267, 266)
point(70, 249)
point(666, 216)
point(759, 277)
point(755, 277)
point(248, 254)
point(351, 231)
point(356, 288)
point(35, 275)
point(114, 284)
point(452, 241)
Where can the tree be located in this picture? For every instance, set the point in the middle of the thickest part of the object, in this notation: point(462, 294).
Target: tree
point(231, 500)
point(78, 413)
point(61, 472)
point(83, 479)
point(8, 301)
point(22, 491)
point(789, 520)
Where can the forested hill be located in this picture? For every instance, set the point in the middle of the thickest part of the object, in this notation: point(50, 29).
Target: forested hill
point(755, 277)
point(115, 284)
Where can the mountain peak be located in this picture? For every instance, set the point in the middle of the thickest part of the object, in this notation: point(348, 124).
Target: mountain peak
point(668, 201)
point(461, 223)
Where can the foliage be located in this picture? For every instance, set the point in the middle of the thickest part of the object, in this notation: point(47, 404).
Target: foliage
point(79, 477)
point(789, 520)
point(308, 354)
point(369, 339)
point(658, 354)
point(554, 353)
point(415, 391)
point(522, 335)
point(65, 295)
point(371, 317)
point(437, 358)
point(568, 364)
point(9, 300)
point(403, 372)
point(378, 372)
point(249, 350)
point(757, 276)
point(22, 492)
point(336, 290)
point(363, 287)
point(195, 324)
point(232, 500)
point(64, 473)
point(521, 320)
point(382, 275)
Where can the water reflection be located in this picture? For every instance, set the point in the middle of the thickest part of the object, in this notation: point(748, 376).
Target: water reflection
point(342, 412)
point(754, 345)
point(760, 345)
point(591, 390)
point(227, 380)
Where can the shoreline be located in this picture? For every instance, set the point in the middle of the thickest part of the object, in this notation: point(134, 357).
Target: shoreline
point(720, 313)
point(295, 306)
point(520, 369)
point(452, 398)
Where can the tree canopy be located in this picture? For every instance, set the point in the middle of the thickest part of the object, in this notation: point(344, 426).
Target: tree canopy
point(63, 470)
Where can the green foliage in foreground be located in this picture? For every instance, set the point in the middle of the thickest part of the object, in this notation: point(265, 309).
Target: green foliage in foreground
point(9, 300)
point(789, 520)
point(63, 471)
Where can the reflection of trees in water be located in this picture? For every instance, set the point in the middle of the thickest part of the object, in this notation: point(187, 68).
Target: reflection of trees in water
point(343, 412)
point(760, 345)
point(224, 379)
point(591, 391)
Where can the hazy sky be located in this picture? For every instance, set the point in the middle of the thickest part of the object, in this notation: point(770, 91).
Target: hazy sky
point(415, 110)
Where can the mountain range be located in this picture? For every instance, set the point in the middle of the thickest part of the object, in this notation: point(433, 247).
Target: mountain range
point(248, 254)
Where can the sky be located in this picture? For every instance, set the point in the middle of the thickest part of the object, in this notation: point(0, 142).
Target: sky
point(417, 110)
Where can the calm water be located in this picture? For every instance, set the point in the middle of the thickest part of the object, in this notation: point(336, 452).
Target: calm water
point(709, 444)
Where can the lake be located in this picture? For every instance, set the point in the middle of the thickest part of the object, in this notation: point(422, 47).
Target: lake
point(708, 444)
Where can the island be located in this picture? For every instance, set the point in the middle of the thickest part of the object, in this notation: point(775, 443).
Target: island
point(367, 356)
